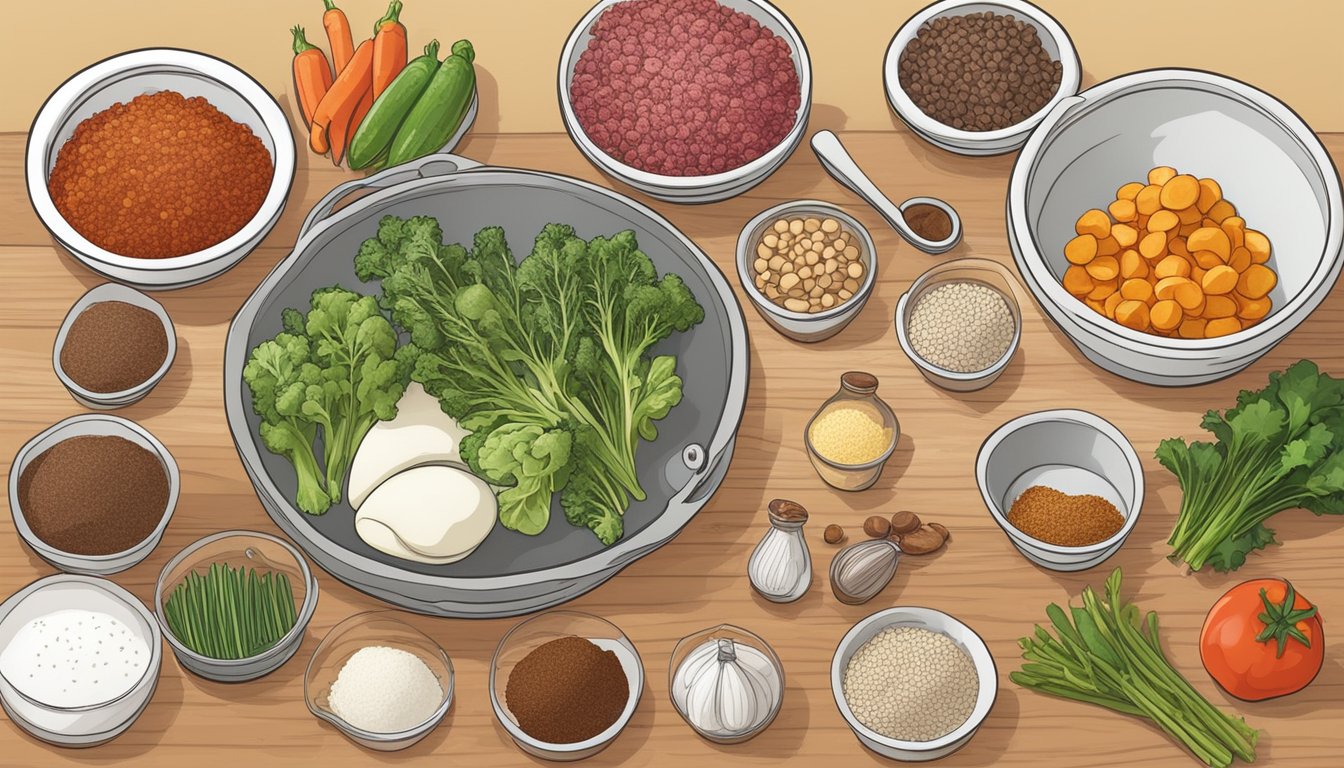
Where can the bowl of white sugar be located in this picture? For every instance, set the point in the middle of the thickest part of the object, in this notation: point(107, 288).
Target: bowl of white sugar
point(913, 683)
point(380, 681)
point(79, 659)
point(960, 323)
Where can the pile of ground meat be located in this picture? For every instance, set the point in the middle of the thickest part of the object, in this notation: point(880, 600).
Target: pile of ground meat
point(684, 87)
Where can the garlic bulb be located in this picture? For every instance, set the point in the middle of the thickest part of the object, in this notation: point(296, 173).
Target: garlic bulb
point(780, 568)
point(860, 571)
point(726, 689)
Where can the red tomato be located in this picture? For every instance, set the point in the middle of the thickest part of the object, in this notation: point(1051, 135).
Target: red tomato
point(1258, 643)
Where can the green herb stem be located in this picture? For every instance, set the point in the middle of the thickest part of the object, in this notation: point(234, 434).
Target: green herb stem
point(231, 613)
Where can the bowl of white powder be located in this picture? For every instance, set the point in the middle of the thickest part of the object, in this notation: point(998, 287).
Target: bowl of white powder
point(380, 681)
point(960, 323)
point(913, 683)
point(79, 659)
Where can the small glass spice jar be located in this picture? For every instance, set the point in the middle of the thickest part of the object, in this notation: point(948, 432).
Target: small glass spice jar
point(726, 683)
point(780, 568)
point(851, 436)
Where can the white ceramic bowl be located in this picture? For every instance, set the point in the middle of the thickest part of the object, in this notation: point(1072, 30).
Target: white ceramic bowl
point(1268, 162)
point(1075, 452)
point(379, 628)
point(982, 271)
point(804, 326)
point(122, 78)
point(1054, 39)
point(77, 426)
point(543, 628)
point(692, 189)
point(84, 726)
point(924, 618)
point(110, 400)
point(240, 549)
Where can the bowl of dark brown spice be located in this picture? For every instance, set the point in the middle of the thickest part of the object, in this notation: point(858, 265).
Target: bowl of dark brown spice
point(564, 684)
point(93, 494)
point(1065, 485)
point(976, 77)
point(114, 346)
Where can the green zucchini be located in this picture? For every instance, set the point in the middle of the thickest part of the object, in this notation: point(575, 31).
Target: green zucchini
point(439, 110)
point(374, 135)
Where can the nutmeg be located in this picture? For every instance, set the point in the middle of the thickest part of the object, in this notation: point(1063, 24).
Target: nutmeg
point(833, 534)
point(904, 521)
point(922, 541)
point(942, 529)
point(877, 527)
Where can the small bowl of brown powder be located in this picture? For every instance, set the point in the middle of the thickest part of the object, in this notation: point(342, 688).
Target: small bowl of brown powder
point(159, 168)
point(93, 494)
point(564, 684)
point(976, 77)
point(114, 346)
point(1066, 487)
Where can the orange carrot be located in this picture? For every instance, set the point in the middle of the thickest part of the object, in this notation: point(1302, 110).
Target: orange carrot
point(338, 36)
point(340, 137)
point(333, 113)
point(389, 48)
point(312, 76)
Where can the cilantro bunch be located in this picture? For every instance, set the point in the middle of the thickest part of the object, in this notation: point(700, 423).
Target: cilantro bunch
point(1279, 448)
point(548, 361)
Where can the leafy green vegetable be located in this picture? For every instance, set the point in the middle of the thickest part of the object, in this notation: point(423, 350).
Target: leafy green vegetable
point(1102, 653)
point(335, 373)
point(548, 361)
point(1279, 448)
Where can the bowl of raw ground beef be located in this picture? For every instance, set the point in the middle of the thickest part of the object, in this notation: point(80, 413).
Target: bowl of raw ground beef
point(691, 101)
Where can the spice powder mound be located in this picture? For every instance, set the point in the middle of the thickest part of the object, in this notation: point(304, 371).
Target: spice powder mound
point(1063, 519)
point(911, 684)
point(93, 494)
point(113, 346)
point(962, 326)
point(160, 176)
point(567, 690)
point(850, 434)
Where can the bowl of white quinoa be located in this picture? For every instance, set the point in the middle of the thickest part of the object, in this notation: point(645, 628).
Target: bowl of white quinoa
point(913, 683)
point(960, 323)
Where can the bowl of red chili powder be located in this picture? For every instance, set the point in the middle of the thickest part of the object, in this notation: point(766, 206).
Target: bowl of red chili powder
point(159, 168)
point(690, 101)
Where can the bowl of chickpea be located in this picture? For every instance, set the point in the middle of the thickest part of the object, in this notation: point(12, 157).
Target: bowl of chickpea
point(1175, 224)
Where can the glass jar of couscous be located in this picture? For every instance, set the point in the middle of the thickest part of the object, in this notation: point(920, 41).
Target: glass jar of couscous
point(852, 434)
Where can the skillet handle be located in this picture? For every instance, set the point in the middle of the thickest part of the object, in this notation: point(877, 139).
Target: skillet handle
point(429, 166)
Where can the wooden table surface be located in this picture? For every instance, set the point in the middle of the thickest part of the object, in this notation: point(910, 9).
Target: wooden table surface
point(698, 579)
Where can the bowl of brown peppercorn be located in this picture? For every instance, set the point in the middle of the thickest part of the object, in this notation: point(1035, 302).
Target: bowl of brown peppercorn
point(93, 494)
point(976, 77)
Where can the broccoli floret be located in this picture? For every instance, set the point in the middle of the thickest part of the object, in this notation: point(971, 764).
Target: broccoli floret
point(274, 374)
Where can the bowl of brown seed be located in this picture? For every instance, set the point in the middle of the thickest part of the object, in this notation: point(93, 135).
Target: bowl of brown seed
point(976, 77)
point(808, 267)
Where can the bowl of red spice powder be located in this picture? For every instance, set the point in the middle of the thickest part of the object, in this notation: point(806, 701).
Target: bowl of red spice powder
point(93, 494)
point(690, 101)
point(159, 168)
point(564, 684)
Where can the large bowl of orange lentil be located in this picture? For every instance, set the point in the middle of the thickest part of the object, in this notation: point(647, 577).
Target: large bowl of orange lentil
point(160, 168)
point(1097, 149)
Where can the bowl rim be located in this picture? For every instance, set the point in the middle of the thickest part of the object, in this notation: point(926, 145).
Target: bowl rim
point(930, 277)
point(128, 295)
point(114, 591)
point(641, 178)
point(909, 113)
point(118, 423)
point(305, 612)
point(612, 731)
point(415, 732)
point(744, 254)
point(1031, 260)
point(1072, 416)
point(987, 673)
point(74, 89)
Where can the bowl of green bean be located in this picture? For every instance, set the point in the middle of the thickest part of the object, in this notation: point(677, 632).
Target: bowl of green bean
point(234, 606)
